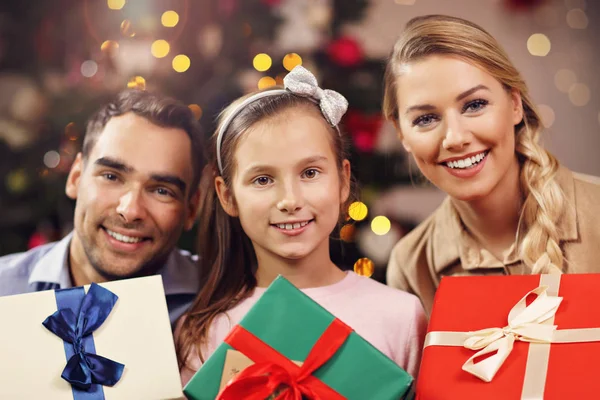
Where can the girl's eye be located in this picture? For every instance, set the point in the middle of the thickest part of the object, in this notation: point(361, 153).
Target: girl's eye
point(262, 181)
point(311, 173)
point(475, 105)
point(424, 120)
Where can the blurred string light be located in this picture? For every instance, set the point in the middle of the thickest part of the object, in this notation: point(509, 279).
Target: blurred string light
point(577, 19)
point(547, 115)
point(564, 79)
point(17, 181)
point(160, 48)
point(262, 62)
point(89, 68)
point(137, 82)
point(364, 267)
point(291, 60)
point(358, 211)
point(115, 4)
point(279, 79)
point(109, 47)
point(169, 19)
point(538, 44)
point(181, 63)
point(347, 232)
point(127, 28)
point(196, 110)
point(71, 131)
point(579, 94)
point(266, 82)
point(380, 225)
point(51, 159)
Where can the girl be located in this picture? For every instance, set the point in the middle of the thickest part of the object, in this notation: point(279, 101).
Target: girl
point(463, 111)
point(280, 180)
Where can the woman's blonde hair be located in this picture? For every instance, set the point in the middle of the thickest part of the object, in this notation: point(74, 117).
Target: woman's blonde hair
point(544, 200)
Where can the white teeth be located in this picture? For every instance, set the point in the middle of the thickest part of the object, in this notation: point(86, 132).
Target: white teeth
point(295, 225)
point(467, 162)
point(123, 238)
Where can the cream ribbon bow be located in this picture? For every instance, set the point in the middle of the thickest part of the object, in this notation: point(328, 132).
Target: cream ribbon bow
point(525, 323)
point(302, 82)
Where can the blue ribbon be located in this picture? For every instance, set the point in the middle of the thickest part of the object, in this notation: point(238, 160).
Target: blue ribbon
point(79, 314)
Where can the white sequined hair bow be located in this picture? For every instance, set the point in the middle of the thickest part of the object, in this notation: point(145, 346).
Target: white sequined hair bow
point(300, 82)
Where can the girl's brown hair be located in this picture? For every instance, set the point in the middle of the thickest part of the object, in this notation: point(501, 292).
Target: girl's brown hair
point(544, 200)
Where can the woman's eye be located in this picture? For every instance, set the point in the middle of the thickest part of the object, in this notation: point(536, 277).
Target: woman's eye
point(424, 120)
point(475, 105)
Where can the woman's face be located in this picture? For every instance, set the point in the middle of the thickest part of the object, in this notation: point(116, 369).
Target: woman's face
point(458, 123)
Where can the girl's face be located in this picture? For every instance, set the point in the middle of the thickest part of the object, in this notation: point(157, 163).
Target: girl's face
point(458, 122)
point(287, 188)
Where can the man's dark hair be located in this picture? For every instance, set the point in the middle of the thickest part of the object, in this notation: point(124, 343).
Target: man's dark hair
point(160, 110)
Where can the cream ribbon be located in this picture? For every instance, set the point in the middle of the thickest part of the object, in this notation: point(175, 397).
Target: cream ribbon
point(533, 323)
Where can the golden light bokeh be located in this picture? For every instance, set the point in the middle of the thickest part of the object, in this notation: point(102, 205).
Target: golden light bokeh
point(381, 225)
point(109, 47)
point(52, 159)
point(279, 79)
point(347, 232)
point(538, 45)
point(127, 28)
point(266, 82)
point(137, 82)
point(115, 4)
point(262, 62)
point(169, 19)
point(358, 211)
point(196, 110)
point(160, 48)
point(564, 79)
point(71, 131)
point(577, 19)
point(547, 115)
point(364, 267)
point(17, 181)
point(579, 94)
point(291, 60)
point(181, 63)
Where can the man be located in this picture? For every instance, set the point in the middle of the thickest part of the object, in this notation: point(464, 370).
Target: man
point(135, 185)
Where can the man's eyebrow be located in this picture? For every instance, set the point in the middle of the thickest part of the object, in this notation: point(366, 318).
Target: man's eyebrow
point(114, 164)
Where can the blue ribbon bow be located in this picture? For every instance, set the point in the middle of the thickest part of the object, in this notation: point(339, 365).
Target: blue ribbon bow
point(77, 317)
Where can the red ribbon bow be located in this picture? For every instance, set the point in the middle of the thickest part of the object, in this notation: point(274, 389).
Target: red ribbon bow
point(272, 369)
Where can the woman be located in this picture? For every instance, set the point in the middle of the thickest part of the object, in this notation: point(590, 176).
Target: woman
point(464, 112)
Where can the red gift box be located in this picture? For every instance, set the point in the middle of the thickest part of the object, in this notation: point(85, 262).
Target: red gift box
point(467, 304)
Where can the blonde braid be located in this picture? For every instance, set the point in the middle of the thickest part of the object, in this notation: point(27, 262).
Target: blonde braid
point(544, 199)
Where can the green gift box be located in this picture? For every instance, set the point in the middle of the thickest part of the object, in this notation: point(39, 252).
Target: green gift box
point(291, 323)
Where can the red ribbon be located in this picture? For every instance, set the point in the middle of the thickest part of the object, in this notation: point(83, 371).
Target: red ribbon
point(272, 369)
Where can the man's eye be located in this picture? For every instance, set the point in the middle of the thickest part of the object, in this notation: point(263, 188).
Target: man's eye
point(110, 177)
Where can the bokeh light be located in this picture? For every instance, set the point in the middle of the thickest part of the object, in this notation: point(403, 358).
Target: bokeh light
point(358, 211)
point(196, 110)
point(262, 62)
point(51, 159)
point(347, 232)
point(115, 4)
point(538, 44)
point(364, 267)
point(381, 225)
point(579, 94)
point(291, 60)
point(181, 63)
point(109, 47)
point(577, 19)
point(89, 68)
point(137, 82)
point(169, 19)
point(547, 115)
point(127, 28)
point(160, 48)
point(266, 82)
point(564, 79)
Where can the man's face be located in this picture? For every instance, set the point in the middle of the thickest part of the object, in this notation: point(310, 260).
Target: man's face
point(132, 196)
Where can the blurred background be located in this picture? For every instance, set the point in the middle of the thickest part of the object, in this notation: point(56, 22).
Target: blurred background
point(61, 59)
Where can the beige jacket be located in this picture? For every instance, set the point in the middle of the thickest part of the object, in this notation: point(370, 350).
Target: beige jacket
point(441, 247)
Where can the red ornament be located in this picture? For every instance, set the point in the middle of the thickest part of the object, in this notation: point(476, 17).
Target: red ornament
point(363, 129)
point(345, 52)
